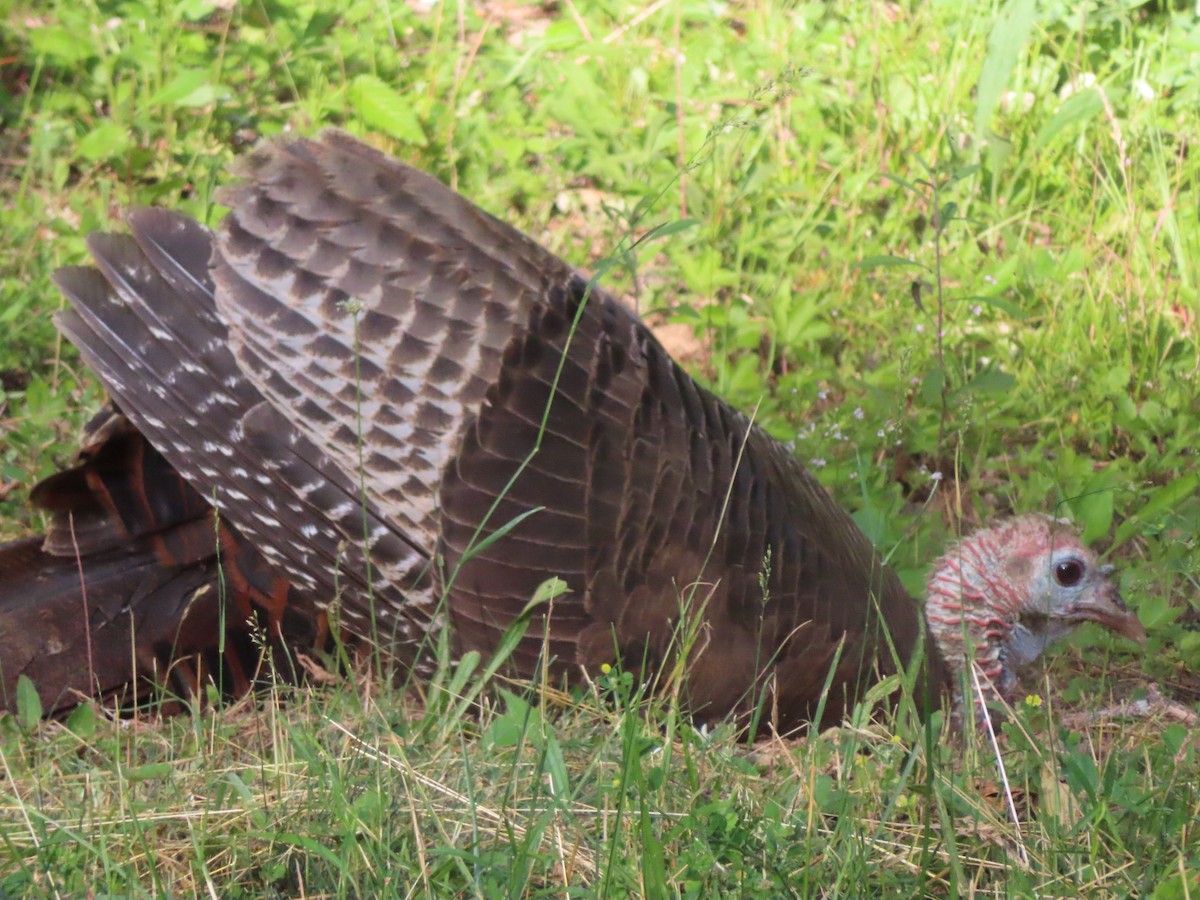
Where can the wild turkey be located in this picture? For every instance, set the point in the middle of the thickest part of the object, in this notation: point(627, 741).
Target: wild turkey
point(393, 398)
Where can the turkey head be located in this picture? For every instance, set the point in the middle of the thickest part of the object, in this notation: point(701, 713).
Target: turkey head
point(999, 598)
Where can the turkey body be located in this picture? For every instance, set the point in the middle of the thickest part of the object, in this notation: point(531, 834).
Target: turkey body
point(371, 393)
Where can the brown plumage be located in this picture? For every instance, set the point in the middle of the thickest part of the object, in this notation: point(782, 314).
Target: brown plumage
point(371, 380)
point(173, 598)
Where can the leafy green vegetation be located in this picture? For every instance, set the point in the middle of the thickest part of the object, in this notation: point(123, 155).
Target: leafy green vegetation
point(950, 252)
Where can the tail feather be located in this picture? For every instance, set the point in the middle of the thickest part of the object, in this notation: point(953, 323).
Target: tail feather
point(137, 586)
point(80, 628)
point(123, 491)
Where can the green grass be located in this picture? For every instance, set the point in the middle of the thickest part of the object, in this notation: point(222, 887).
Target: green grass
point(836, 178)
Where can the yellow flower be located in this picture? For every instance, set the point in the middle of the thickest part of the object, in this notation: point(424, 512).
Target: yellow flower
point(605, 668)
point(1033, 701)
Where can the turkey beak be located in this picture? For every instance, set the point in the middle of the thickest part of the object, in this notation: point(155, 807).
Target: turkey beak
point(1108, 608)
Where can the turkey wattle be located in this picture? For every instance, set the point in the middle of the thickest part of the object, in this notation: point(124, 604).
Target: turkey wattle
point(394, 399)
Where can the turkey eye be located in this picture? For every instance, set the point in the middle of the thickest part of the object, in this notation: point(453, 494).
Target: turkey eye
point(1069, 573)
